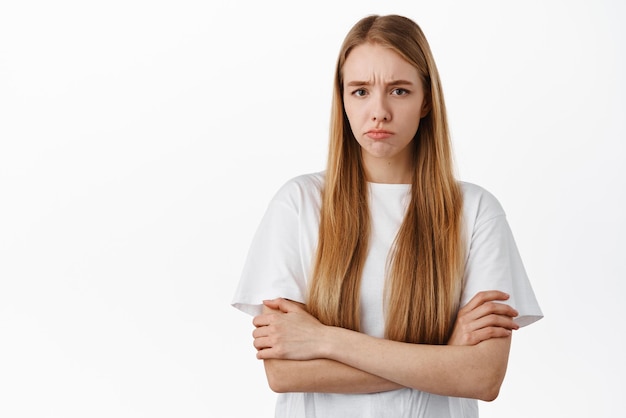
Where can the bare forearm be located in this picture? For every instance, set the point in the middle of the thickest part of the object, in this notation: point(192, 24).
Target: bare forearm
point(322, 375)
point(462, 371)
point(303, 355)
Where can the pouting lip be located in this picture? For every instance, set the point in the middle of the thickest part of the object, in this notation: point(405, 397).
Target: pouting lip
point(379, 134)
point(378, 131)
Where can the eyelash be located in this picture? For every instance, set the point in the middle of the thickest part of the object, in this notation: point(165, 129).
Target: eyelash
point(400, 92)
point(404, 92)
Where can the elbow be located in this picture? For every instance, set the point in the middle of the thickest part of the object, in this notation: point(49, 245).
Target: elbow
point(276, 388)
point(492, 369)
point(490, 394)
point(489, 388)
point(276, 380)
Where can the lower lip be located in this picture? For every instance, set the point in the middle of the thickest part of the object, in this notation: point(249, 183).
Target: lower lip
point(379, 135)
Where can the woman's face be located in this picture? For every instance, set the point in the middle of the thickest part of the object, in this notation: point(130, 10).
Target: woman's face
point(384, 101)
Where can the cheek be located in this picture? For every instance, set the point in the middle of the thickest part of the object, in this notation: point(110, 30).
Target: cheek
point(416, 126)
point(354, 127)
point(412, 120)
point(352, 116)
point(348, 109)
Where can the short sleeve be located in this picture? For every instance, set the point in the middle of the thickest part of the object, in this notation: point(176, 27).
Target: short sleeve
point(273, 266)
point(494, 263)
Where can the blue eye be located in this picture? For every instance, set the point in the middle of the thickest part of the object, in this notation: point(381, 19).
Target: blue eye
point(359, 92)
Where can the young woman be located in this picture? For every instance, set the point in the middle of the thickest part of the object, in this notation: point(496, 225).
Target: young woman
point(384, 287)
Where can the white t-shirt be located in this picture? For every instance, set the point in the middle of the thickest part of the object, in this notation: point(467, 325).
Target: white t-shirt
point(280, 261)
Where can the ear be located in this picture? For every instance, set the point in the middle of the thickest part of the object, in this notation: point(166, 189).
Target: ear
point(426, 106)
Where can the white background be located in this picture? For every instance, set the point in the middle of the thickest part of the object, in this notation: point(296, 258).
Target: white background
point(140, 142)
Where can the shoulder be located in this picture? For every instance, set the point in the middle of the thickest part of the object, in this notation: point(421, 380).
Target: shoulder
point(300, 190)
point(310, 181)
point(479, 205)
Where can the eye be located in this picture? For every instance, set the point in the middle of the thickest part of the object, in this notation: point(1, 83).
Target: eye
point(359, 92)
point(399, 92)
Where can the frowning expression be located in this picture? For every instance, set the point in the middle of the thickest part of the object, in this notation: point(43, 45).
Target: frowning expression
point(384, 100)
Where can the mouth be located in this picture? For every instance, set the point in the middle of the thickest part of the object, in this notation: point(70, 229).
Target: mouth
point(378, 134)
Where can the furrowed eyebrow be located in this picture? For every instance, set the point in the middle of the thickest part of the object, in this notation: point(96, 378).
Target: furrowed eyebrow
point(357, 83)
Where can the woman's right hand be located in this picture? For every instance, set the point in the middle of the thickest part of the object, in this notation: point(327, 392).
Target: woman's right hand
point(287, 331)
point(483, 318)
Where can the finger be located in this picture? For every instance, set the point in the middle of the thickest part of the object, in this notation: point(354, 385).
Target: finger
point(488, 333)
point(282, 304)
point(466, 329)
point(262, 343)
point(493, 320)
point(262, 320)
point(260, 332)
point(485, 296)
point(265, 354)
point(482, 298)
point(272, 303)
point(498, 308)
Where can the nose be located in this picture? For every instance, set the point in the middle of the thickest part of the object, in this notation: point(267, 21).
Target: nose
point(380, 110)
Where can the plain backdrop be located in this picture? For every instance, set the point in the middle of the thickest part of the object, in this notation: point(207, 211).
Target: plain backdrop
point(140, 142)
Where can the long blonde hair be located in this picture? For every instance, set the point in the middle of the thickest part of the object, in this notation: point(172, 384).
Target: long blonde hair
point(424, 273)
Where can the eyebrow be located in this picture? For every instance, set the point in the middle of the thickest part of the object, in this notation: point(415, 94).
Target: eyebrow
point(391, 83)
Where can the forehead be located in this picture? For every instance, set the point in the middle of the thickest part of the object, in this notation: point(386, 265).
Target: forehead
point(373, 62)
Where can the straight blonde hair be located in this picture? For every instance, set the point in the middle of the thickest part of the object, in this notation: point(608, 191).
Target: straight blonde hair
point(425, 265)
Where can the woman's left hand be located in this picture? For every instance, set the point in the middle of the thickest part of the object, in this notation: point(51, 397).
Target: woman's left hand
point(287, 331)
point(483, 318)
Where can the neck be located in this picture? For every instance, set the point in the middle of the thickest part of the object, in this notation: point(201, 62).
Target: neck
point(389, 171)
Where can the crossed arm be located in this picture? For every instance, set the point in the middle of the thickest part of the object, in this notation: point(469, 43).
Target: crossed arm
point(302, 355)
